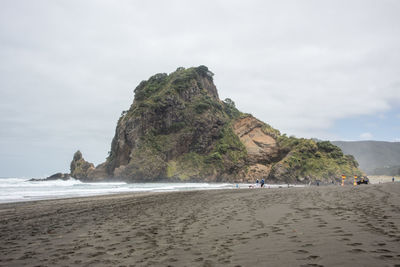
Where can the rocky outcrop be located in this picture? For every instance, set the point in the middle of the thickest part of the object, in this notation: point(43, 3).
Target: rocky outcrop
point(57, 176)
point(174, 107)
point(80, 168)
point(177, 129)
point(171, 130)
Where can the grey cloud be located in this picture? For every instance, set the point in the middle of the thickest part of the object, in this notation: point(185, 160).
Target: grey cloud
point(69, 68)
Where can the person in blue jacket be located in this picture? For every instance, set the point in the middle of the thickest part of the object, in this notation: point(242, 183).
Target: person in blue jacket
point(262, 182)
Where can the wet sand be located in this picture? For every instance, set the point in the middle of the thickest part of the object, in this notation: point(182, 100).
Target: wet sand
point(314, 226)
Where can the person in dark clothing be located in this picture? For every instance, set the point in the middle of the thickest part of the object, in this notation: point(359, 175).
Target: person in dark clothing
point(262, 182)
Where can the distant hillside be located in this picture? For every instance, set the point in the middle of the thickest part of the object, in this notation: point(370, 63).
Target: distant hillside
point(374, 157)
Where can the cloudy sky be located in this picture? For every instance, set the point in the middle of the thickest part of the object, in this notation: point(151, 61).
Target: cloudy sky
point(325, 69)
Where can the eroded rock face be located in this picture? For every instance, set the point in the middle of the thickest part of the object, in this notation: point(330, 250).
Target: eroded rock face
point(262, 148)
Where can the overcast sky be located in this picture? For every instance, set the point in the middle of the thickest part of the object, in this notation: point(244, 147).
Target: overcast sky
point(325, 69)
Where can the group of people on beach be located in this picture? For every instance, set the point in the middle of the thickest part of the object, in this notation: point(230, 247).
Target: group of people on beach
point(260, 183)
point(363, 180)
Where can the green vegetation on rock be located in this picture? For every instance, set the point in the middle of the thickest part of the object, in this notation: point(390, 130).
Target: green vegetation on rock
point(309, 160)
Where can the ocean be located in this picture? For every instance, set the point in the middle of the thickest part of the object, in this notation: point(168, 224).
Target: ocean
point(19, 189)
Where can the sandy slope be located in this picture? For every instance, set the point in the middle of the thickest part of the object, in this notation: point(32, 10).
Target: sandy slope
point(317, 226)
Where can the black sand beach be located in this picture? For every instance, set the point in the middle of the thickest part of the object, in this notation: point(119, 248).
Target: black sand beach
point(316, 226)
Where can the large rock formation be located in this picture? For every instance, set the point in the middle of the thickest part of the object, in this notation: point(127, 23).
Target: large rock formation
point(177, 129)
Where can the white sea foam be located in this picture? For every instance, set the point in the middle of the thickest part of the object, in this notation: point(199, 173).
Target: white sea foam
point(19, 189)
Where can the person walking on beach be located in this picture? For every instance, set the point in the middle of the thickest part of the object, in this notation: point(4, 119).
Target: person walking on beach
point(262, 182)
point(393, 179)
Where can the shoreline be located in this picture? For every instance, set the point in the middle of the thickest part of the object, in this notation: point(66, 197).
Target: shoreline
point(325, 226)
point(22, 190)
point(19, 190)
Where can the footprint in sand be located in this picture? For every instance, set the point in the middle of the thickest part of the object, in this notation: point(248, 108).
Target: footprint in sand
point(208, 263)
point(347, 234)
point(354, 244)
point(224, 261)
point(96, 254)
point(357, 250)
point(338, 231)
point(385, 257)
point(301, 251)
point(311, 264)
point(381, 250)
point(293, 238)
point(261, 235)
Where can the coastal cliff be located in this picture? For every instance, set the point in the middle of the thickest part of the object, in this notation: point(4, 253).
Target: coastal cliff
point(177, 129)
